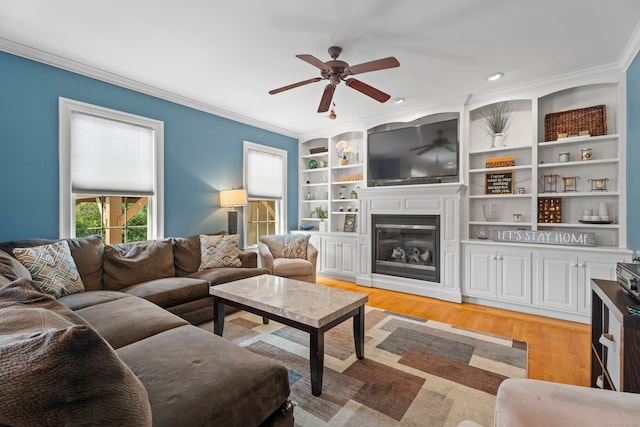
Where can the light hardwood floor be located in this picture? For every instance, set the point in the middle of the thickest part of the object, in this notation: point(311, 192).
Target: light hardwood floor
point(559, 351)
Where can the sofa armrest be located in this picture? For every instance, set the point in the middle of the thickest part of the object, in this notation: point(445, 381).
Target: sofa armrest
point(249, 259)
point(266, 258)
point(524, 402)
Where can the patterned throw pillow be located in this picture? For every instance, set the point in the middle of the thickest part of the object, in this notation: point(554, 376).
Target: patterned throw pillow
point(295, 246)
point(219, 251)
point(52, 268)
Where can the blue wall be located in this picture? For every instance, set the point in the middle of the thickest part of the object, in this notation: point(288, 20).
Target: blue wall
point(203, 152)
point(633, 154)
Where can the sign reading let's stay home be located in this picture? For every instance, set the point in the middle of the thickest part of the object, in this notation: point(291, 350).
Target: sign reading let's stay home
point(546, 237)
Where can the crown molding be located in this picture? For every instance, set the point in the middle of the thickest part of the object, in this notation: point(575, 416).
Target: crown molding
point(63, 63)
point(631, 49)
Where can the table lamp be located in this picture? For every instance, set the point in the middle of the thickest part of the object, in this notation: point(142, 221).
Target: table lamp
point(231, 199)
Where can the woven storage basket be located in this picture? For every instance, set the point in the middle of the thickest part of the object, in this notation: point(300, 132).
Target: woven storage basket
point(593, 119)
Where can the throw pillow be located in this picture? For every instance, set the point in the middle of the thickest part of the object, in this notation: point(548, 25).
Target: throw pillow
point(52, 268)
point(295, 246)
point(57, 370)
point(219, 251)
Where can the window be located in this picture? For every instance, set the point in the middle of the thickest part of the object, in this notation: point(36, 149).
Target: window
point(110, 173)
point(265, 171)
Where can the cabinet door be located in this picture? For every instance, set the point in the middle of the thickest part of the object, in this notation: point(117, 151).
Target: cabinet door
point(480, 272)
point(600, 266)
point(514, 276)
point(348, 259)
point(330, 255)
point(556, 281)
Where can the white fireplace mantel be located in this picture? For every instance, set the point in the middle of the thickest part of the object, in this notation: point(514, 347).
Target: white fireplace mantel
point(429, 199)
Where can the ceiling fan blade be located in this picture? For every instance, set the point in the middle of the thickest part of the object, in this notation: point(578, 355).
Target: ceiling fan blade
point(314, 61)
point(291, 86)
point(327, 96)
point(380, 64)
point(452, 149)
point(371, 91)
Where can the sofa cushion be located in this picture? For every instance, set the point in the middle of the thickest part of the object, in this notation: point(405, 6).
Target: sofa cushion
point(89, 298)
point(123, 321)
point(52, 268)
point(244, 388)
point(11, 268)
point(170, 291)
point(129, 263)
point(219, 251)
point(186, 253)
point(88, 254)
point(57, 370)
point(216, 276)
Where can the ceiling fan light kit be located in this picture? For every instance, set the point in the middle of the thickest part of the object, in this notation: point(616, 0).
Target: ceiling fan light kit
point(336, 71)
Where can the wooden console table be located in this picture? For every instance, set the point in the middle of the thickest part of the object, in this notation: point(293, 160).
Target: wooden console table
point(615, 338)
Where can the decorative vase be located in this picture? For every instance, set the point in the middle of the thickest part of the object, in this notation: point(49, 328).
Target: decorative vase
point(482, 233)
point(345, 162)
point(490, 212)
point(313, 164)
point(498, 140)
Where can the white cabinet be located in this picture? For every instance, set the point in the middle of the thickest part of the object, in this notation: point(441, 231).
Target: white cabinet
point(339, 256)
point(498, 272)
point(563, 279)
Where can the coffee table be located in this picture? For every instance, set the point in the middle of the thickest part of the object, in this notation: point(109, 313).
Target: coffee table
point(305, 306)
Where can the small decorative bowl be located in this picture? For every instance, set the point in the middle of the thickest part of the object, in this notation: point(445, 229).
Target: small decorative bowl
point(306, 227)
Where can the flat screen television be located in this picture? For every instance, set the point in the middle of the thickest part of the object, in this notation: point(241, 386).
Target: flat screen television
point(425, 151)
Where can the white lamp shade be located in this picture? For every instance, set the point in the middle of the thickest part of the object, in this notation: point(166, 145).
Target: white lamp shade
point(231, 198)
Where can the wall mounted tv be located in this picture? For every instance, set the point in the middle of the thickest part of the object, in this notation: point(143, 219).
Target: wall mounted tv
point(424, 151)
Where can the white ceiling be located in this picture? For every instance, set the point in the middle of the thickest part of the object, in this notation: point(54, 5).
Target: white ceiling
point(226, 56)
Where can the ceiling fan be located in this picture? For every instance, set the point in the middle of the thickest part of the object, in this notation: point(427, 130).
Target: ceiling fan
point(336, 71)
point(438, 142)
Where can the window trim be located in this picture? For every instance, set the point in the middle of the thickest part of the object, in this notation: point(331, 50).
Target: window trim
point(155, 208)
point(281, 224)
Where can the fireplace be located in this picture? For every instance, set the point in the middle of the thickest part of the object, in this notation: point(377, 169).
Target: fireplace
point(406, 246)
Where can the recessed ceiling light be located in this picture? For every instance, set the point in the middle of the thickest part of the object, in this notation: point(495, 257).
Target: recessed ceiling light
point(398, 100)
point(495, 76)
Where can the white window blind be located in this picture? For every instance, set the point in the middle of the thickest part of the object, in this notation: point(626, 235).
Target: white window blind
point(265, 175)
point(111, 156)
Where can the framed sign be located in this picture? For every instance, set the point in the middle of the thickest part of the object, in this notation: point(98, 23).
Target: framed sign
point(498, 183)
point(349, 222)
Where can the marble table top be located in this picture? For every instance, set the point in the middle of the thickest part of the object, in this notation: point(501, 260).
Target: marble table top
point(303, 302)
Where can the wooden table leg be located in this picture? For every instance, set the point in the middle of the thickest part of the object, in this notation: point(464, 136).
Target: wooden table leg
point(316, 356)
point(358, 332)
point(218, 316)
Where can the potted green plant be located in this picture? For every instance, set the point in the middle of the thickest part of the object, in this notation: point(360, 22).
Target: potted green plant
point(496, 122)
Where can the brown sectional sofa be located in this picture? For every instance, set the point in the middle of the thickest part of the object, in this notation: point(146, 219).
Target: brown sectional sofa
point(121, 352)
point(164, 272)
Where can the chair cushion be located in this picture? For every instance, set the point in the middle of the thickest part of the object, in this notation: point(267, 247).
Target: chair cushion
point(292, 267)
point(57, 370)
point(127, 264)
point(52, 268)
point(219, 251)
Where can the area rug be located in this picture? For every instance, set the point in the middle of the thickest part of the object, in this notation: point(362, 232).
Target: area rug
point(416, 372)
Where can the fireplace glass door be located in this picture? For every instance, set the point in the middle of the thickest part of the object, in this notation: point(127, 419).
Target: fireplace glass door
point(407, 246)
